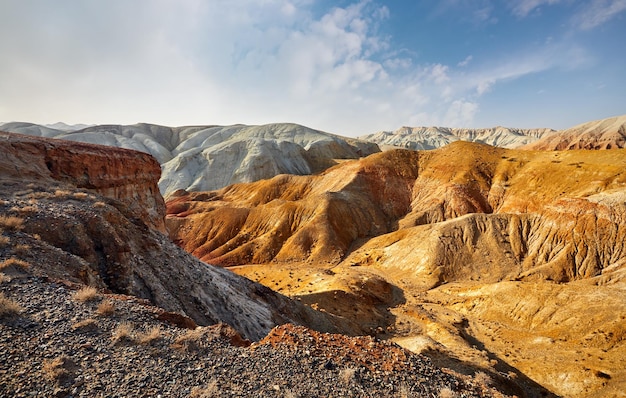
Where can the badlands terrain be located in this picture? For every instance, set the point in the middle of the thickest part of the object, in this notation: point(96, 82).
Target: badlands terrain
point(500, 271)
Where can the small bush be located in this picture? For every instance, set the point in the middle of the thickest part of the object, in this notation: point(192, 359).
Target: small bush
point(105, 308)
point(11, 223)
point(87, 293)
point(4, 241)
point(21, 249)
point(61, 193)
point(60, 370)
point(347, 374)
point(123, 333)
point(99, 204)
point(87, 325)
point(189, 341)
point(483, 379)
point(8, 307)
point(447, 393)
point(80, 195)
point(209, 391)
point(151, 335)
point(15, 262)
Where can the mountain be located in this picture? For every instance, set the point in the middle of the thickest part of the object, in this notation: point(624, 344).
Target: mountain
point(600, 134)
point(96, 301)
point(196, 158)
point(507, 259)
point(422, 138)
point(93, 214)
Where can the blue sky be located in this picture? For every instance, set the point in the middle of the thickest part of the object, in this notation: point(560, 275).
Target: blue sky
point(347, 67)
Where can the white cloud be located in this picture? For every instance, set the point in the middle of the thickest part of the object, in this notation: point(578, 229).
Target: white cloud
point(466, 61)
point(237, 61)
point(598, 12)
point(523, 8)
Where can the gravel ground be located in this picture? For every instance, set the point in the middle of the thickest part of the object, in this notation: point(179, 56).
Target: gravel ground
point(59, 346)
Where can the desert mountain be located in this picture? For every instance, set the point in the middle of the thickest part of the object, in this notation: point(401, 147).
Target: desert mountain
point(92, 214)
point(199, 158)
point(75, 214)
point(508, 259)
point(600, 134)
point(421, 138)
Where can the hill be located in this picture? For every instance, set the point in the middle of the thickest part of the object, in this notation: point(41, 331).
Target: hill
point(423, 138)
point(600, 134)
point(487, 254)
point(197, 158)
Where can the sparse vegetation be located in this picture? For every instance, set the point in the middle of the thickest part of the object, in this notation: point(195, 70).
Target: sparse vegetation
point(447, 393)
point(8, 307)
point(11, 223)
point(87, 325)
point(105, 308)
point(13, 262)
point(61, 193)
point(59, 369)
point(151, 335)
point(21, 249)
point(483, 379)
point(189, 340)
point(4, 241)
point(80, 195)
point(87, 293)
point(347, 374)
point(209, 391)
point(99, 204)
point(124, 332)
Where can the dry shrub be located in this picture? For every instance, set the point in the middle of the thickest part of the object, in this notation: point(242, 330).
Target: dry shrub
point(8, 307)
point(4, 240)
point(26, 209)
point(87, 293)
point(37, 236)
point(62, 193)
point(347, 374)
point(80, 195)
point(151, 336)
point(14, 262)
point(87, 325)
point(189, 341)
point(21, 249)
point(105, 308)
point(403, 391)
point(4, 278)
point(11, 223)
point(447, 393)
point(209, 391)
point(99, 204)
point(123, 333)
point(483, 379)
point(60, 369)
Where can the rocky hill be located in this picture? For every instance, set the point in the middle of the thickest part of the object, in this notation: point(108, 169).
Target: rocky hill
point(506, 259)
point(197, 158)
point(422, 138)
point(600, 134)
point(95, 301)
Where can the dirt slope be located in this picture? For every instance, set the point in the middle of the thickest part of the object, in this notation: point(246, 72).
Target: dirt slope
point(493, 255)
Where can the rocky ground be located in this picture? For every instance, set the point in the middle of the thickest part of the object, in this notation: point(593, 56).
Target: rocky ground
point(66, 341)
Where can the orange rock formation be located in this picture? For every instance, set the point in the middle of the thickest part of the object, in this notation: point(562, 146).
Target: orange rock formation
point(508, 259)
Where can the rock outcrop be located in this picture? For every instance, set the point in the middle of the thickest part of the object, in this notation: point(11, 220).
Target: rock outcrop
point(83, 213)
point(198, 158)
point(600, 134)
point(422, 138)
point(451, 250)
point(127, 176)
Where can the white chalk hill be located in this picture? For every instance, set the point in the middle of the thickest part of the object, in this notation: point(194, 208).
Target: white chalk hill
point(203, 158)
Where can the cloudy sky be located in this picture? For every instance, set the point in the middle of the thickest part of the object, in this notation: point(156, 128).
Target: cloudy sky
point(347, 67)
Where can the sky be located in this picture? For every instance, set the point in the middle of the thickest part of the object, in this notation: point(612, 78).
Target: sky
point(345, 67)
